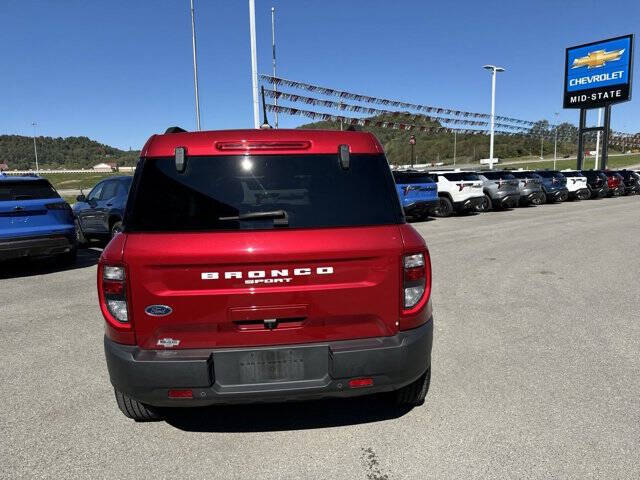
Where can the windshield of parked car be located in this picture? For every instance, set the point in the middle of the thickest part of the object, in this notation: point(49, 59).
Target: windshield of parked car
point(225, 193)
point(26, 190)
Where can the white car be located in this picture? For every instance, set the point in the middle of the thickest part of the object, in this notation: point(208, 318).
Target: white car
point(459, 191)
point(577, 184)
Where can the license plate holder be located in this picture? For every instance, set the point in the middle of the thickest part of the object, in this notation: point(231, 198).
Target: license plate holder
point(270, 365)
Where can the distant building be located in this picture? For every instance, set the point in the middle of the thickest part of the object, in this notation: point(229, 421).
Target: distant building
point(102, 167)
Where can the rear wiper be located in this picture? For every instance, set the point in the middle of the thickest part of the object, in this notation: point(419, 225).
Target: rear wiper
point(280, 217)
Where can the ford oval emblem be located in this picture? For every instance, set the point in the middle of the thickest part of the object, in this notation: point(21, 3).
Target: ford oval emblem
point(158, 310)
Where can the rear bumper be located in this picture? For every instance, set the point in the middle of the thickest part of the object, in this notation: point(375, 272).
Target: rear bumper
point(217, 376)
point(557, 195)
point(421, 207)
point(633, 188)
point(36, 246)
point(468, 204)
point(506, 199)
point(528, 196)
point(579, 192)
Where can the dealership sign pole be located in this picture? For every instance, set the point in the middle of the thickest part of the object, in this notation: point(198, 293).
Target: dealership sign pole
point(598, 75)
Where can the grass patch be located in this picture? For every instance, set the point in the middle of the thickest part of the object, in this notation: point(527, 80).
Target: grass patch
point(77, 181)
point(613, 163)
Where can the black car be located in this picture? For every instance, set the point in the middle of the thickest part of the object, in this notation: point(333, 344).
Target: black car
point(597, 183)
point(631, 181)
point(99, 214)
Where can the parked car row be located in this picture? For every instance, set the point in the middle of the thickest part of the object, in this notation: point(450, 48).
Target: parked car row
point(442, 193)
point(36, 221)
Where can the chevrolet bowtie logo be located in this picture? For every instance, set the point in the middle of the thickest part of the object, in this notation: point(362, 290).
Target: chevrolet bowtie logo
point(597, 58)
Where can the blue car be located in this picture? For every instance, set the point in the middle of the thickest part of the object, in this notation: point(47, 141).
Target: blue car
point(34, 220)
point(418, 192)
point(554, 185)
point(101, 211)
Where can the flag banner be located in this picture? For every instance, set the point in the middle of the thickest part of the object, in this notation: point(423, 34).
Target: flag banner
point(348, 121)
point(383, 101)
point(291, 97)
point(503, 122)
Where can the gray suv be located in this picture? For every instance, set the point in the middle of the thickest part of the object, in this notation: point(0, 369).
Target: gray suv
point(500, 190)
point(530, 187)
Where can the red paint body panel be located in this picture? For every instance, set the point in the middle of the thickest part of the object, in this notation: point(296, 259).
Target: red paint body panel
point(204, 143)
point(613, 180)
point(359, 299)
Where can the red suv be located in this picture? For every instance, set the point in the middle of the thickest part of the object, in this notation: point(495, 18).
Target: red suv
point(264, 265)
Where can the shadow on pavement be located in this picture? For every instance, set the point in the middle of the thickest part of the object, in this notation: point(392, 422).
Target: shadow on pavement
point(284, 416)
point(27, 267)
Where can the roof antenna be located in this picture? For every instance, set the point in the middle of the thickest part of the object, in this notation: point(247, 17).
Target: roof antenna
point(265, 122)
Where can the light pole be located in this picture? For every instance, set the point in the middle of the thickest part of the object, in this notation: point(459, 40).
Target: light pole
point(598, 139)
point(555, 142)
point(254, 63)
point(542, 146)
point(35, 148)
point(273, 55)
point(493, 69)
point(454, 147)
point(195, 64)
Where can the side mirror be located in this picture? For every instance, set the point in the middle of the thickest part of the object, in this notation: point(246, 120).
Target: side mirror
point(81, 198)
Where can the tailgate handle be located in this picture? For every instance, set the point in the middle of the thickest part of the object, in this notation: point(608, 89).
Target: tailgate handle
point(258, 318)
point(269, 323)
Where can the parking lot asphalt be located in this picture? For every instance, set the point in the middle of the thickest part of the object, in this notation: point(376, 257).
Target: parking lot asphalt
point(535, 371)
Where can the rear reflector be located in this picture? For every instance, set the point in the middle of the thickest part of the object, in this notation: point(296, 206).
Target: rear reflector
point(252, 145)
point(361, 382)
point(181, 393)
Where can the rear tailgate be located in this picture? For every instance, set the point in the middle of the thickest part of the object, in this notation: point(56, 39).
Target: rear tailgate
point(312, 285)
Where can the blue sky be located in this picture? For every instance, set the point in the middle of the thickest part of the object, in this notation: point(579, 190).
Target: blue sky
point(119, 71)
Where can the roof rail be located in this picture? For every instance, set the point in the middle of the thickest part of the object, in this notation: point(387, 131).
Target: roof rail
point(174, 130)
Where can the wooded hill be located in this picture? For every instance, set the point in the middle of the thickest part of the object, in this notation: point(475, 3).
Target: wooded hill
point(434, 147)
point(71, 152)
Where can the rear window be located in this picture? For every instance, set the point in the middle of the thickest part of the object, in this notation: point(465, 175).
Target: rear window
point(313, 190)
point(458, 176)
point(410, 177)
point(498, 175)
point(26, 190)
point(572, 174)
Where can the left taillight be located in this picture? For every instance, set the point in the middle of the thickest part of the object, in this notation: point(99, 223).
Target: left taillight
point(112, 290)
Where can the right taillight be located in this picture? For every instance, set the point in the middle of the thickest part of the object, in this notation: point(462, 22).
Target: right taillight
point(416, 284)
point(112, 290)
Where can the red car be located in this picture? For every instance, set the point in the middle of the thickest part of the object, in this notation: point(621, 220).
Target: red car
point(264, 265)
point(615, 183)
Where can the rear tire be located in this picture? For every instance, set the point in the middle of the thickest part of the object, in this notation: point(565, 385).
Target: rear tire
point(134, 409)
point(540, 199)
point(445, 209)
point(81, 240)
point(486, 204)
point(584, 195)
point(413, 395)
